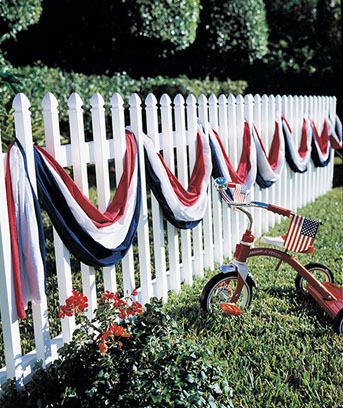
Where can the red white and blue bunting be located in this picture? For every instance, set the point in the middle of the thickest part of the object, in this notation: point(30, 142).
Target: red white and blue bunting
point(246, 172)
point(103, 239)
point(182, 208)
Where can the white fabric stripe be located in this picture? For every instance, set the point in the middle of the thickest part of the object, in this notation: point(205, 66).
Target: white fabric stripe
point(253, 161)
point(182, 212)
point(32, 268)
point(322, 156)
point(264, 167)
point(300, 163)
point(109, 236)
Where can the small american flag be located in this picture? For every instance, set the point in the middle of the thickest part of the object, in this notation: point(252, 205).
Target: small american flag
point(301, 233)
point(238, 192)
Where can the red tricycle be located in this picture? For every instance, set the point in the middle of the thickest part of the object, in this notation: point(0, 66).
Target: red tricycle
point(232, 289)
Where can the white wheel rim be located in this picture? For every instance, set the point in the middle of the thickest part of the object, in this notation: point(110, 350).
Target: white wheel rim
point(222, 297)
point(326, 277)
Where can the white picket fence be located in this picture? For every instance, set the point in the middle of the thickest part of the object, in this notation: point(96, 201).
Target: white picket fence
point(172, 126)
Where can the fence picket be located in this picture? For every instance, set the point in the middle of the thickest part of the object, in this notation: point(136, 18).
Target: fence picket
point(119, 148)
point(207, 222)
point(77, 137)
point(192, 129)
point(143, 225)
point(216, 201)
point(182, 171)
point(258, 124)
point(62, 255)
point(9, 322)
point(233, 154)
point(23, 130)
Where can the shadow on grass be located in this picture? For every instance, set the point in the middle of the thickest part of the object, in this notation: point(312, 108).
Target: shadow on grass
point(338, 172)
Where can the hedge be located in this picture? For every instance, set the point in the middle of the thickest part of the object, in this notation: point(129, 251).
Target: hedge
point(36, 81)
point(236, 29)
point(172, 21)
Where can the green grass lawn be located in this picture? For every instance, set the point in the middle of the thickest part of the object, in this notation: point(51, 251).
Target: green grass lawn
point(283, 351)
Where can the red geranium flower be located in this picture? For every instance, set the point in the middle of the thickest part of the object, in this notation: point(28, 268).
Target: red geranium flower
point(76, 303)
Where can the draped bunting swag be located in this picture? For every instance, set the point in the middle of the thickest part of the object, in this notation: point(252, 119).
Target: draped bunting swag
point(103, 239)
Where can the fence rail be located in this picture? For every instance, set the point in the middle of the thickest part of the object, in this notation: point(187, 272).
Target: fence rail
point(173, 126)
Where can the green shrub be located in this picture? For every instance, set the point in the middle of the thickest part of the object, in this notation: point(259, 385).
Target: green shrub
point(170, 21)
point(154, 368)
point(17, 15)
point(236, 28)
point(38, 80)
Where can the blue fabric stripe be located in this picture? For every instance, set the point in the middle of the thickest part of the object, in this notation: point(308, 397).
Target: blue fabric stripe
point(316, 158)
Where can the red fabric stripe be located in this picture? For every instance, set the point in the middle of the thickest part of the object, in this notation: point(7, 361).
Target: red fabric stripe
point(323, 139)
point(14, 242)
point(244, 166)
point(117, 207)
point(303, 149)
point(274, 151)
point(190, 196)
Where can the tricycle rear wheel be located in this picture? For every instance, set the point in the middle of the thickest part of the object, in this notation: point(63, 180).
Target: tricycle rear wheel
point(319, 271)
point(338, 322)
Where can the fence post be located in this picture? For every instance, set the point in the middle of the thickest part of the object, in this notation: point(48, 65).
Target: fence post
point(143, 225)
point(233, 154)
point(22, 122)
point(265, 141)
point(207, 222)
point(224, 136)
point(182, 171)
point(9, 323)
point(192, 130)
point(258, 190)
point(216, 200)
point(77, 138)
point(157, 215)
point(168, 154)
point(249, 117)
point(281, 182)
point(119, 148)
point(101, 155)
point(62, 255)
point(271, 129)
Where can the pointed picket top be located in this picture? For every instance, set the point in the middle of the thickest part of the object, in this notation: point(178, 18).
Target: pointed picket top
point(165, 100)
point(265, 99)
point(202, 100)
point(231, 100)
point(222, 100)
point(212, 100)
point(248, 98)
point(278, 98)
point(151, 100)
point(257, 98)
point(191, 100)
point(179, 100)
point(49, 102)
point(97, 101)
point(116, 100)
point(271, 98)
point(75, 101)
point(135, 101)
point(21, 102)
point(240, 100)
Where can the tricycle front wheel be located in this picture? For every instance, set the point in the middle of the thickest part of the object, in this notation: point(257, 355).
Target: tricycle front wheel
point(319, 271)
point(220, 288)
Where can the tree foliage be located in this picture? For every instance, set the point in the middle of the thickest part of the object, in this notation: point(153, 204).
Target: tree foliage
point(236, 28)
point(18, 15)
point(171, 21)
